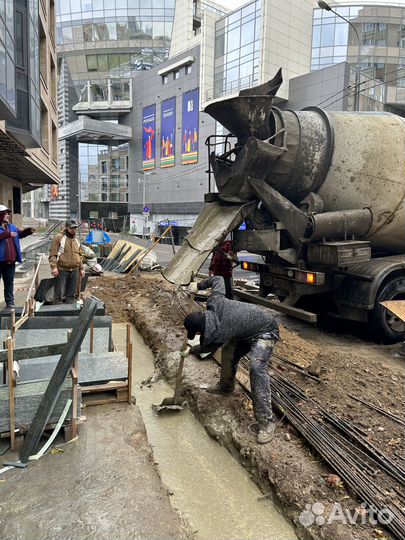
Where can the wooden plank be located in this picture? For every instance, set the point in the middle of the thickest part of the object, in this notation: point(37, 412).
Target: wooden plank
point(20, 322)
point(288, 310)
point(11, 392)
point(118, 396)
point(397, 307)
point(58, 378)
point(107, 387)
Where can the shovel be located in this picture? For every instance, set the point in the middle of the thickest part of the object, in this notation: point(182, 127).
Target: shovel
point(175, 403)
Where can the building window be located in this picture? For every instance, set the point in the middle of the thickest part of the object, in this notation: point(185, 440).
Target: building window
point(44, 129)
point(176, 74)
point(43, 58)
point(103, 167)
point(115, 164)
point(165, 80)
point(53, 80)
point(20, 42)
point(54, 143)
point(188, 69)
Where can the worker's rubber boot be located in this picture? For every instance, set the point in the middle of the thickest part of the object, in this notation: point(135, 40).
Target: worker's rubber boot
point(266, 433)
point(226, 384)
point(220, 389)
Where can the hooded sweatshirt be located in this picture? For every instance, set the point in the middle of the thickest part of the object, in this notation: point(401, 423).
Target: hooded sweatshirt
point(227, 320)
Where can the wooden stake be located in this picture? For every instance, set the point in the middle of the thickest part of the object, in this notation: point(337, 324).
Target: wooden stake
point(4, 363)
point(129, 358)
point(12, 315)
point(75, 379)
point(74, 371)
point(11, 391)
point(130, 374)
point(36, 281)
point(127, 339)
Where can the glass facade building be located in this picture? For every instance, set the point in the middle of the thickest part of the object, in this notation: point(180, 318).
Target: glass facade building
point(378, 47)
point(113, 38)
point(237, 50)
point(104, 170)
point(7, 64)
point(104, 42)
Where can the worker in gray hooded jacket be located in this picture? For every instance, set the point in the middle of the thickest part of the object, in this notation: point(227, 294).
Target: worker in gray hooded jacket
point(249, 330)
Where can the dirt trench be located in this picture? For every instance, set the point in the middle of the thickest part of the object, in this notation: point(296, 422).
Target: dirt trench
point(287, 468)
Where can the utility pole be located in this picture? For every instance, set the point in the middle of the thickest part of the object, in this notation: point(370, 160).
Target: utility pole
point(145, 209)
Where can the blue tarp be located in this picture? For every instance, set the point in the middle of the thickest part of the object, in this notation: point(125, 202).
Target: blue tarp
point(97, 236)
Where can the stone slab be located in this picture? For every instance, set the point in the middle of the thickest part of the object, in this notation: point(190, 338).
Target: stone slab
point(93, 368)
point(28, 396)
point(32, 338)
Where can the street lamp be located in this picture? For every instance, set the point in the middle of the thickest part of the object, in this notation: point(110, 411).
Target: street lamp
point(326, 7)
point(144, 173)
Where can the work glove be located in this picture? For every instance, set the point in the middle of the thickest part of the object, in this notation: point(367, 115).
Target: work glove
point(193, 287)
point(185, 352)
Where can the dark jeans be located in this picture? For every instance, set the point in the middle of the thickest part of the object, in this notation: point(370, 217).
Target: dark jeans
point(7, 272)
point(65, 286)
point(259, 353)
point(228, 287)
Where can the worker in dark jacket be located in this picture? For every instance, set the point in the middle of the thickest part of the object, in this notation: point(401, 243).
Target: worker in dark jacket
point(10, 252)
point(222, 263)
point(250, 330)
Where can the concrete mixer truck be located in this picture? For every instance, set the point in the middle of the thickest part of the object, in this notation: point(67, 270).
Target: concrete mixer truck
point(322, 195)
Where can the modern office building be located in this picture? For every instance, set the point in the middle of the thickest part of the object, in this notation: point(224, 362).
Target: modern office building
point(374, 43)
point(213, 55)
point(113, 64)
point(28, 113)
point(100, 47)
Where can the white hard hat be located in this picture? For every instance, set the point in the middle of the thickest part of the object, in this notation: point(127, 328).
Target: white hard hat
point(4, 208)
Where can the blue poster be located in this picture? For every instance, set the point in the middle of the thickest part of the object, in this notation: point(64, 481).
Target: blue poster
point(148, 137)
point(168, 129)
point(189, 149)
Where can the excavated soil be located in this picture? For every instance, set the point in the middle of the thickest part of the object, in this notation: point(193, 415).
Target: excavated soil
point(287, 468)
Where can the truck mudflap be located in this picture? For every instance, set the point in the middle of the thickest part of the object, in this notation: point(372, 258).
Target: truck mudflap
point(211, 227)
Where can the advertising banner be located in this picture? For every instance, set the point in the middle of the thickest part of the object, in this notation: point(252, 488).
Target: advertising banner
point(148, 137)
point(168, 130)
point(189, 149)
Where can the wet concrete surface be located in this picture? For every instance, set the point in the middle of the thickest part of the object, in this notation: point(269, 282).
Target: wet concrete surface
point(213, 492)
point(103, 486)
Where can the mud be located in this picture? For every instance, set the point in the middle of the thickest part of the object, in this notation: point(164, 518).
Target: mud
point(206, 485)
point(286, 468)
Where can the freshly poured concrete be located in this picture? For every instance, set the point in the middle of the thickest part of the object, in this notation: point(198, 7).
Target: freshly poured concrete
point(212, 491)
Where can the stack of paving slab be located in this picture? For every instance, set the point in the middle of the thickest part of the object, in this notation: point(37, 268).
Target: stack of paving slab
point(49, 328)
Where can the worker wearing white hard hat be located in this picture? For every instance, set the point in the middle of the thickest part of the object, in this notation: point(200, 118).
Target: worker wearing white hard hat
point(10, 252)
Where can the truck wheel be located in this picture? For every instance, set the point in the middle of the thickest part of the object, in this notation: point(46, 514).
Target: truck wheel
point(385, 326)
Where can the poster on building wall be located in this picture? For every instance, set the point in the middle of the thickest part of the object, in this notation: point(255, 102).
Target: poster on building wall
point(189, 150)
point(168, 130)
point(148, 137)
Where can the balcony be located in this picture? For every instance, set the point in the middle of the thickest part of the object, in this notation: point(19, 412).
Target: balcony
point(89, 130)
point(113, 96)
